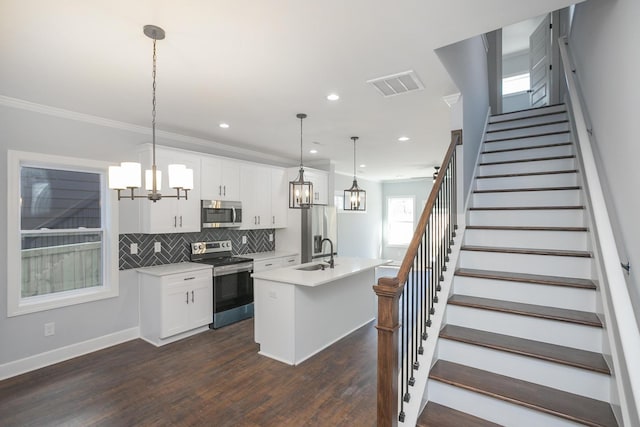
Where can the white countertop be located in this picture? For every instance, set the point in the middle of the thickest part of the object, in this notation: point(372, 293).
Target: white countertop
point(344, 267)
point(182, 267)
point(261, 256)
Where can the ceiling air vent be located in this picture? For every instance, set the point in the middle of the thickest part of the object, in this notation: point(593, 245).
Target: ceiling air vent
point(397, 84)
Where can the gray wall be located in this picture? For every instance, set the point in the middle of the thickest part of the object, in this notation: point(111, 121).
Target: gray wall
point(420, 189)
point(515, 63)
point(360, 233)
point(23, 336)
point(603, 42)
point(466, 62)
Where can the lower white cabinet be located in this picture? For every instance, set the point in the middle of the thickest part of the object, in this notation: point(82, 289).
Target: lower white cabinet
point(273, 263)
point(172, 305)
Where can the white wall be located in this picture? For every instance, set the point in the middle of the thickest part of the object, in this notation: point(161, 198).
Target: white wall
point(23, 336)
point(360, 233)
point(419, 189)
point(603, 42)
point(515, 63)
point(466, 62)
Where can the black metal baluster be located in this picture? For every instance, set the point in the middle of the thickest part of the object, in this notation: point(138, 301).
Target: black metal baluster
point(407, 396)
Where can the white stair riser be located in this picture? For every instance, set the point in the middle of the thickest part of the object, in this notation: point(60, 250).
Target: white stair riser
point(548, 265)
point(538, 130)
point(528, 198)
point(529, 181)
point(528, 121)
point(527, 113)
point(526, 167)
point(527, 142)
point(533, 153)
point(527, 293)
point(547, 217)
point(536, 239)
point(562, 377)
point(488, 408)
point(551, 331)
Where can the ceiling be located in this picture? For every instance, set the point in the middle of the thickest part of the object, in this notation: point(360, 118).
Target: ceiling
point(254, 64)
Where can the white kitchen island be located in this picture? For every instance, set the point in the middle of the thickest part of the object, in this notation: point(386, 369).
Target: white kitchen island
point(299, 313)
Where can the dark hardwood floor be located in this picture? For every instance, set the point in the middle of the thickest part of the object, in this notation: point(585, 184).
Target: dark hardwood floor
point(214, 378)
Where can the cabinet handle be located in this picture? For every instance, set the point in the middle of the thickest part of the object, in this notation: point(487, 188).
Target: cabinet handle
point(268, 265)
point(191, 296)
point(181, 221)
point(273, 220)
point(255, 220)
point(225, 190)
point(189, 278)
point(219, 190)
point(291, 260)
point(187, 296)
point(258, 219)
point(175, 221)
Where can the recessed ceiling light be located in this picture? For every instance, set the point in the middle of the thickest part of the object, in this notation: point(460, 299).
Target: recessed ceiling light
point(313, 151)
point(224, 125)
point(363, 165)
point(333, 97)
point(403, 139)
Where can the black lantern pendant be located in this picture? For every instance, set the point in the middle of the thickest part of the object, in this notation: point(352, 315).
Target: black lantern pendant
point(355, 198)
point(300, 191)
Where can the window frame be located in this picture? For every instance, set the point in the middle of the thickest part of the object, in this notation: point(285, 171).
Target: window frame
point(388, 222)
point(16, 304)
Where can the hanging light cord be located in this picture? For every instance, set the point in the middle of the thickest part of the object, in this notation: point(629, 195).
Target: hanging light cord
point(354, 159)
point(153, 116)
point(301, 142)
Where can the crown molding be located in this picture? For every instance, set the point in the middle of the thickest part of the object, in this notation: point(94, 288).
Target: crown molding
point(205, 145)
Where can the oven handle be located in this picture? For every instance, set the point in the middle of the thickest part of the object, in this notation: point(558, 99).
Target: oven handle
point(232, 269)
point(233, 210)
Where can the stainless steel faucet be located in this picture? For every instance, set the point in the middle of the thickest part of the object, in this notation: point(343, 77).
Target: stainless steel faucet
point(326, 239)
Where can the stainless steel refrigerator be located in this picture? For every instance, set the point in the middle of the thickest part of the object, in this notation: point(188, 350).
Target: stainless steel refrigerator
point(318, 222)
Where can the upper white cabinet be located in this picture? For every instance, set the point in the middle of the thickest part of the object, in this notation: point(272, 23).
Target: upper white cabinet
point(219, 179)
point(264, 197)
point(167, 215)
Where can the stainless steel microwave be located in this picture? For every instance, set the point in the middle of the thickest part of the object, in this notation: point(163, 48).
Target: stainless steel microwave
point(221, 214)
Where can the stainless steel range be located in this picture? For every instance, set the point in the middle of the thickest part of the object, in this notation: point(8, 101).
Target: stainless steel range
point(232, 281)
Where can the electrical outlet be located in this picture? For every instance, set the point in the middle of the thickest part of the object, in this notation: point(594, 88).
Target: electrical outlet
point(49, 329)
point(244, 240)
point(271, 237)
point(133, 249)
point(157, 247)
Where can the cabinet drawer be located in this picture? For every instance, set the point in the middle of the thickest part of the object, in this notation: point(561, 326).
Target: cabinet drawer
point(267, 264)
point(289, 261)
point(182, 279)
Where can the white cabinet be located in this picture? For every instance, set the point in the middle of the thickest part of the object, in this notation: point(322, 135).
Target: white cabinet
point(320, 181)
point(276, 262)
point(167, 215)
point(264, 197)
point(220, 179)
point(175, 304)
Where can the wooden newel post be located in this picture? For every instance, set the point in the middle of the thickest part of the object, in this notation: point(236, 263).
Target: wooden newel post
point(388, 291)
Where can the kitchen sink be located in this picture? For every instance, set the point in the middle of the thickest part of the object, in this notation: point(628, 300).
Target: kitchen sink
point(313, 267)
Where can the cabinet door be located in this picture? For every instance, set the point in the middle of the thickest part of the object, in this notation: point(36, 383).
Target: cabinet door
point(255, 188)
point(175, 310)
point(230, 180)
point(211, 178)
point(201, 308)
point(189, 210)
point(279, 198)
point(320, 180)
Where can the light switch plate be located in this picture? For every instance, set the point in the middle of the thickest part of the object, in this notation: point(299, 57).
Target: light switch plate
point(157, 247)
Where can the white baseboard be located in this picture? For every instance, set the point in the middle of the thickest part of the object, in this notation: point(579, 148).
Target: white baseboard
point(47, 358)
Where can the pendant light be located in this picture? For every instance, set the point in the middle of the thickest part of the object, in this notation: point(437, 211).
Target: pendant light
point(127, 176)
point(435, 174)
point(300, 191)
point(355, 198)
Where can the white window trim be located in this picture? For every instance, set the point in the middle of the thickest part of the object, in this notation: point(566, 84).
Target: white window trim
point(15, 305)
point(398, 245)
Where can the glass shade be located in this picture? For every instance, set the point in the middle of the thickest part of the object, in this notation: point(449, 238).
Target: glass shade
point(116, 178)
point(131, 174)
point(300, 192)
point(355, 198)
point(149, 181)
point(188, 179)
point(176, 175)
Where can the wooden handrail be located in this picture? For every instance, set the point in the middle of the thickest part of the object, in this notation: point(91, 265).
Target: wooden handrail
point(388, 291)
point(407, 262)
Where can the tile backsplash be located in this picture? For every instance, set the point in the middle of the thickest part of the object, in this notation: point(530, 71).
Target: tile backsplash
point(176, 247)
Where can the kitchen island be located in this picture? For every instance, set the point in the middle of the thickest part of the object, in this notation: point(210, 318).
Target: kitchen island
point(300, 311)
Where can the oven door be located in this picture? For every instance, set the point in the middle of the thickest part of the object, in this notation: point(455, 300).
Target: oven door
point(232, 294)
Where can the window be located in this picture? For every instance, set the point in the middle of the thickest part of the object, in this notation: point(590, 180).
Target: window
point(515, 84)
point(63, 244)
point(399, 220)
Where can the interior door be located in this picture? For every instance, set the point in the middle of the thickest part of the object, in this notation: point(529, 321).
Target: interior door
point(540, 63)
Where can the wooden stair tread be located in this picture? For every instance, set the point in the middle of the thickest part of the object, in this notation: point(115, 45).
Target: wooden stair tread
point(527, 251)
point(515, 175)
point(516, 190)
point(539, 279)
point(436, 415)
point(524, 228)
point(555, 122)
point(534, 110)
point(531, 310)
point(530, 147)
point(540, 350)
point(569, 406)
point(527, 136)
point(537, 159)
point(524, 208)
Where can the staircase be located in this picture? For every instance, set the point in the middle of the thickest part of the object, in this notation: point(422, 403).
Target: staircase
point(522, 344)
